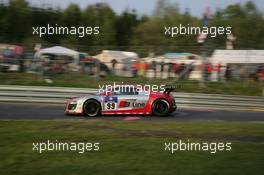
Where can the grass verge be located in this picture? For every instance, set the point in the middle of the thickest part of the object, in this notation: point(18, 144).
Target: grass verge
point(131, 148)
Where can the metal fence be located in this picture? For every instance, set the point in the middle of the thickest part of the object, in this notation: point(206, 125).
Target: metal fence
point(58, 95)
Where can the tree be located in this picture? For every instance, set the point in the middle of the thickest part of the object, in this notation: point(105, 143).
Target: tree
point(125, 26)
point(72, 15)
point(128, 31)
point(18, 20)
point(242, 19)
point(151, 33)
point(100, 15)
point(3, 22)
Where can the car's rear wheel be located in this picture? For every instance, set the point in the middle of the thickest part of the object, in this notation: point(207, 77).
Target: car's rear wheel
point(160, 107)
point(92, 108)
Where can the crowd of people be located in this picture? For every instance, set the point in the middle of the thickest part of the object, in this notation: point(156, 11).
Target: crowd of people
point(180, 71)
point(208, 71)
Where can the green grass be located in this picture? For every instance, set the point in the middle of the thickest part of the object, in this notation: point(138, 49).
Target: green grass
point(130, 148)
point(86, 81)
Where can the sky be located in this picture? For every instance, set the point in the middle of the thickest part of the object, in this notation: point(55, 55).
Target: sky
point(196, 7)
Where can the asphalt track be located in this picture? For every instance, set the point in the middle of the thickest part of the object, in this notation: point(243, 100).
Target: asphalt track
point(27, 111)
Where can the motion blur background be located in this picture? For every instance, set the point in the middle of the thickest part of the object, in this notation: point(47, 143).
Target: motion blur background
point(132, 46)
point(132, 49)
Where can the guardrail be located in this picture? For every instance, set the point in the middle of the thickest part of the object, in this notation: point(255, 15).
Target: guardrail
point(58, 95)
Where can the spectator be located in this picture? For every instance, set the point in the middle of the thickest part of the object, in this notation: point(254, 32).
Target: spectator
point(21, 64)
point(114, 62)
point(190, 69)
point(134, 69)
point(243, 73)
point(154, 68)
point(228, 73)
point(141, 69)
point(260, 74)
point(181, 70)
point(207, 71)
point(146, 67)
point(161, 69)
point(57, 68)
point(176, 69)
point(218, 70)
point(170, 69)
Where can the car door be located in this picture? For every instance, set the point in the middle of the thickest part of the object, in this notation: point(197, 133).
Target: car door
point(130, 99)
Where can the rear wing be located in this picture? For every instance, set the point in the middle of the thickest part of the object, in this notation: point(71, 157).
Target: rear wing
point(168, 90)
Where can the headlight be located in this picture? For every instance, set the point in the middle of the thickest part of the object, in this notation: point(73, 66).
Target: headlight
point(72, 106)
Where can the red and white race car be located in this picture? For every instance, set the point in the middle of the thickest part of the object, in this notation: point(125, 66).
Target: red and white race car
point(123, 102)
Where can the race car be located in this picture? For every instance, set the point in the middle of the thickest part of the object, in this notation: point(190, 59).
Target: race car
point(125, 101)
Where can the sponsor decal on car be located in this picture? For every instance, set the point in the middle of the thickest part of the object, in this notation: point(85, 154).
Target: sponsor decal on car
point(138, 104)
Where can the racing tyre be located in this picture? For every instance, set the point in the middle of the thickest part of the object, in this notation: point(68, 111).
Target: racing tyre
point(92, 108)
point(160, 107)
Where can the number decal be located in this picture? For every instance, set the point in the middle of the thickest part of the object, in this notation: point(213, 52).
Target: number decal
point(110, 103)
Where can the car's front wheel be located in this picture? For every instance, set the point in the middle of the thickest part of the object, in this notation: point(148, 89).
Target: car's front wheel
point(160, 107)
point(92, 108)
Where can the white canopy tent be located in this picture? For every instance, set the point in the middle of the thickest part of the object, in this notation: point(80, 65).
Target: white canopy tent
point(58, 50)
point(237, 57)
point(108, 55)
point(124, 59)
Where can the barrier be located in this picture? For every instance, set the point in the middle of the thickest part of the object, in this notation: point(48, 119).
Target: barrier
point(59, 95)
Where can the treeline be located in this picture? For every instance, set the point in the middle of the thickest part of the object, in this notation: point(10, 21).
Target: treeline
point(128, 30)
